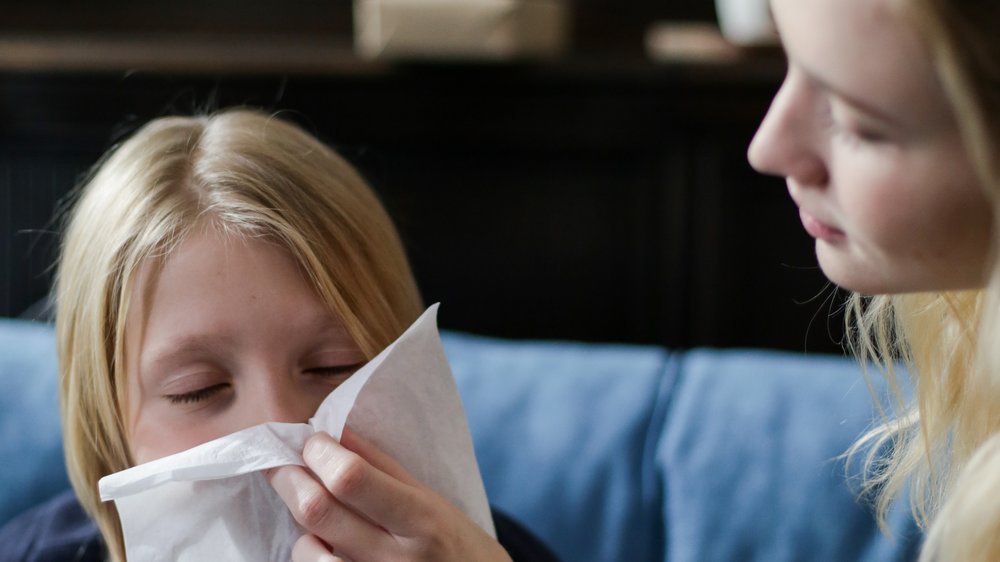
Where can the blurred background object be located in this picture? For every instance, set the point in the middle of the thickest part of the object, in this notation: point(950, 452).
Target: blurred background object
point(599, 195)
point(747, 22)
point(670, 41)
point(460, 29)
point(596, 28)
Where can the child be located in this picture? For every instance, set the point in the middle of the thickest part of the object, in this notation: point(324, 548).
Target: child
point(225, 271)
point(887, 130)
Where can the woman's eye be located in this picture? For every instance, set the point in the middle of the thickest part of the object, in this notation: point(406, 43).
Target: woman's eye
point(866, 135)
point(840, 127)
point(196, 395)
point(851, 136)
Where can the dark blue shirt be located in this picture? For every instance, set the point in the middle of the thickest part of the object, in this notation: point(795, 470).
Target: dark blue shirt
point(60, 531)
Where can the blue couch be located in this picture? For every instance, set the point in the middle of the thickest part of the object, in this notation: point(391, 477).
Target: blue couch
point(608, 452)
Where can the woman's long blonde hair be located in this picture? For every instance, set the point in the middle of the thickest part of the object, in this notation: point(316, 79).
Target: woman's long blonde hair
point(251, 174)
point(945, 444)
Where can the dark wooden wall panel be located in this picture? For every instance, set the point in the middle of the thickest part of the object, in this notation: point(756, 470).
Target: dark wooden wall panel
point(601, 202)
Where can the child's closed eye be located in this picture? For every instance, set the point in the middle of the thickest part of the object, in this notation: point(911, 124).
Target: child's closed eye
point(334, 370)
point(196, 395)
point(202, 394)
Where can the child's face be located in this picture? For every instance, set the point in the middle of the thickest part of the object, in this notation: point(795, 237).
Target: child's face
point(224, 334)
point(872, 154)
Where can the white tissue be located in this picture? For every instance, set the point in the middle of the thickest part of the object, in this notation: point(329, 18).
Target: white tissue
point(212, 503)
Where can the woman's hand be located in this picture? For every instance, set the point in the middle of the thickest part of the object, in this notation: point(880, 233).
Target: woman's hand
point(359, 505)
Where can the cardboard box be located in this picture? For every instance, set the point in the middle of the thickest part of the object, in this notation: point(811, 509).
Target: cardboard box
point(460, 29)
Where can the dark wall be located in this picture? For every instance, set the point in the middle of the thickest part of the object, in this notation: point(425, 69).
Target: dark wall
point(598, 27)
point(572, 201)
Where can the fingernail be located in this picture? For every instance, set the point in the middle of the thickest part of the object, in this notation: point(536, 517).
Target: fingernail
point(317, 448)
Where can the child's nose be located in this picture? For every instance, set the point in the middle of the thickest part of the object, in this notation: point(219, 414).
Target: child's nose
point(281, 403)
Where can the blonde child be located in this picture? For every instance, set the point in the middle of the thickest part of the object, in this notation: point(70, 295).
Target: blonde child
point(223, 271)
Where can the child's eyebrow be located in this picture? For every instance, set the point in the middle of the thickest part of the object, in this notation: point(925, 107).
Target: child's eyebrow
point(325, 325)
point(169, 353)
point(188, 345)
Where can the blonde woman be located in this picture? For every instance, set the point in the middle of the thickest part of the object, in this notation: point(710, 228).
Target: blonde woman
point(220, 272)
point(887, 129)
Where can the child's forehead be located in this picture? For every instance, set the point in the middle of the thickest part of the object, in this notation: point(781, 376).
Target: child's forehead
point(209, 231)
point(214, 256)
point(226, 286)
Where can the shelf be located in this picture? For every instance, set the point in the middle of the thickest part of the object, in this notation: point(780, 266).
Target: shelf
point(316, 55)
point(177, 53)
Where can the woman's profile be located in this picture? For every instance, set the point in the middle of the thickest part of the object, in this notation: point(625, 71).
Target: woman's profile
point(886, 129)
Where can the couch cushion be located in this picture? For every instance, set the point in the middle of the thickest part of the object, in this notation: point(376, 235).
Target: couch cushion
point(565, 435)
point(750, 460)
point(30, 437)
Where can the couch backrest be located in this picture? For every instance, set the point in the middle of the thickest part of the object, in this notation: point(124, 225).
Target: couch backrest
point(635, 453)
point(30, 438)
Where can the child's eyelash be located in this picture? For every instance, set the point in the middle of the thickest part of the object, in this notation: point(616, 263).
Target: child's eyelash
point(196, 395)
point(334, 371)
point(203, 393)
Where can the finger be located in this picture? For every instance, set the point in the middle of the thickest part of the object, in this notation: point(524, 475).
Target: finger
point(392, 504)
point(309, 548)
point(321, 514)
point(355, 442)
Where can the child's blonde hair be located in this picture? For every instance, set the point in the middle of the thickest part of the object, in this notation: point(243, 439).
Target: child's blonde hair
point(250, 174)
point(945, 444)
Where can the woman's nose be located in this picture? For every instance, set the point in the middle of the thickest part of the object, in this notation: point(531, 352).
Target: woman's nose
point(788, 140)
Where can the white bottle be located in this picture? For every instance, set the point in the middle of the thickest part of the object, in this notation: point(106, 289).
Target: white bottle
point(746, 22)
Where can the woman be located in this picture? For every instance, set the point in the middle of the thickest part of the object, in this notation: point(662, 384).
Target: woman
point(886, 129)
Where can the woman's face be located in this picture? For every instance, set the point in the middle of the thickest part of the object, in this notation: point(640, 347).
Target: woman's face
point(223, 334)
point(872, 154)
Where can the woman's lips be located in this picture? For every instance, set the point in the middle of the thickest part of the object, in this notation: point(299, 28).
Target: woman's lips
point(820, 230)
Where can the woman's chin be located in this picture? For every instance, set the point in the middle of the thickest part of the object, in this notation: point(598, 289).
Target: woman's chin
point(873, 273)
point(850, 273)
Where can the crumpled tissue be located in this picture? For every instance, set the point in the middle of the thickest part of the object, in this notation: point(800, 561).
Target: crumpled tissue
point(211, 502)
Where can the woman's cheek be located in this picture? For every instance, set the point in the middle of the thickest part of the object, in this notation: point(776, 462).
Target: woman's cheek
point(873, 201)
